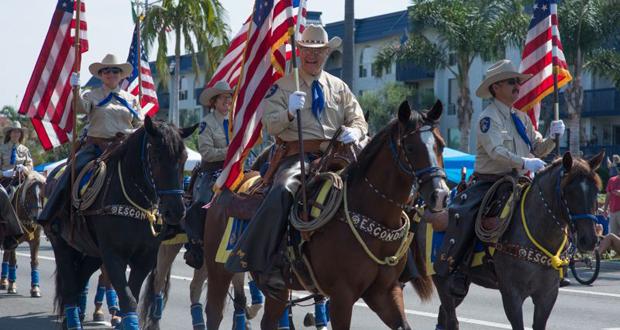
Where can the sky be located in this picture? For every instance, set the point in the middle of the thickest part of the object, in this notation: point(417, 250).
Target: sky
point(109, 31)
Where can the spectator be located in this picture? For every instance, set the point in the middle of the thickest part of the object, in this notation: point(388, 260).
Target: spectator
point(608, 241)
point(594, 137)
point(612, 204)
point(613, 165)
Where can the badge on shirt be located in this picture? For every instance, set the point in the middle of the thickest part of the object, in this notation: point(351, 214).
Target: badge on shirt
point(271, 91)
point(485, 124)
point(203, 125)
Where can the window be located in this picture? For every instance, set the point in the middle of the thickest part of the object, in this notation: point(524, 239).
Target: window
point(453, 95)
point(452, 58)
point(363, 72)
point(388, 69)
point(182, 95)
point(454, 138)
point(375, 70)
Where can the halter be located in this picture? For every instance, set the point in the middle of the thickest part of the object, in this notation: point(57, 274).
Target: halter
point(148, 173)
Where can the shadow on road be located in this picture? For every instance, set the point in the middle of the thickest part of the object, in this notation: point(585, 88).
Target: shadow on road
point(37, 320)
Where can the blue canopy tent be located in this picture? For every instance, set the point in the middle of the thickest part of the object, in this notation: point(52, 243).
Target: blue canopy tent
point(454, 160)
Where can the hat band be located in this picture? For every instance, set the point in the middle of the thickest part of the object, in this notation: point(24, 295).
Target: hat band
point(318, 42)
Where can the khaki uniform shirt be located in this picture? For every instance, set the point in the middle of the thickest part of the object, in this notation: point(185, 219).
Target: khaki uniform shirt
point(341, 108)
point(212, 139)
point(499, 146)
point(113, 117)
point(22, 156)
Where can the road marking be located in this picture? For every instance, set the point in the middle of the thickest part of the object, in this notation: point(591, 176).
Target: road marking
point(594, 293)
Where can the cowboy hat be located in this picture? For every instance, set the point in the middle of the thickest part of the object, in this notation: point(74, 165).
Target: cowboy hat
point(110, 61)
point(499, 71)
point(220, 87)
point(13, 125)
point(315, 36)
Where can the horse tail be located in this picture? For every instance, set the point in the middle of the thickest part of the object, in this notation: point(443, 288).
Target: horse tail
point(423, 284)
point(149, 301)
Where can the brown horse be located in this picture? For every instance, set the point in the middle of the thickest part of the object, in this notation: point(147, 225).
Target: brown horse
point(347, 264)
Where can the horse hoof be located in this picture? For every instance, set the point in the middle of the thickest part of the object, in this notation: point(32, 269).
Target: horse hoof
point(4, 283)
point(35, 292)
point(12, 288)
point(200, 327)
point(252, 310)
point(116, 321)
point(309, 320)
point(98, 316)
point(321, 328)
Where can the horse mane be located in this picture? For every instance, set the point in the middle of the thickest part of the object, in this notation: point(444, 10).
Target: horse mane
point(169, 135)
point(581, 167)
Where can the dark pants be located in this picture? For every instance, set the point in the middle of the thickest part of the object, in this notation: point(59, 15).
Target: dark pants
point(61, 191)
point(8, 216)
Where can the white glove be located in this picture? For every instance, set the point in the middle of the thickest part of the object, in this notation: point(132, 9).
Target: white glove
point(75, 79)
point(350, 134)
point(533, 164)
point(8, 173)
point(557, 127)
point(296, 102)
point(19, 168)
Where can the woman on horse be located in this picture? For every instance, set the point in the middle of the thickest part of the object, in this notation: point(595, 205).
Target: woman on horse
point(212, 144)
point(14, 157)
point(112, 112)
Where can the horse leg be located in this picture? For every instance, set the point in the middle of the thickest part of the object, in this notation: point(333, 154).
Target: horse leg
point(389, 306)
point(195, 291)
point(258, 299)
point(543, 304)
point(12, 288)
point(274, 310)
point(115, 267)
point(34, 244)
point(447, 311)
point(101, 293)
point(217, 289)
point(239, 301)
point(141, 265)
point(513, 305)
point(340, 311)
point(4, 282)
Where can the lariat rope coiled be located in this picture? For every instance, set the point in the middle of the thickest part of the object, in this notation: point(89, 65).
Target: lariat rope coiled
point(329, 209)
point(151, 215)
point(493, 235)
point(556, 261)
point(402, 249)
point(89, 197)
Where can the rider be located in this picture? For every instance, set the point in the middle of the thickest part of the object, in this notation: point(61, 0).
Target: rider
point(213, 143)
point(14, 157)
point(507, 145)
point(112, 112)
point(332, 106)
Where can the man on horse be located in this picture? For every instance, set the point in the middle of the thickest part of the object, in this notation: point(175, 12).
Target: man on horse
point(507, 145)
point(332, 106)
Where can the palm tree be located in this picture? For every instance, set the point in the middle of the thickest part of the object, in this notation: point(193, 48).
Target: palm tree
point(198, 25)
point(463, 30)
point(588, 29)
point(348, 47)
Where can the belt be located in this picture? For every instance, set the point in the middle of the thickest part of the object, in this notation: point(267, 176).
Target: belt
point(212, 166)
point(310, 146)
point(492, 177)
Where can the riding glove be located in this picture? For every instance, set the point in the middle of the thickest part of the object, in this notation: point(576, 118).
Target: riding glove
point(19, 168)
point(296, 102)
point(557, 127)
point(8, 173)
point(350, 134)
point(533, 164)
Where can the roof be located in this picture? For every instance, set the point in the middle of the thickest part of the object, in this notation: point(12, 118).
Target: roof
point(373, 28)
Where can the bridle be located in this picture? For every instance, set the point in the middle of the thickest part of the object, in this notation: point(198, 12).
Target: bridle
point(148, 171)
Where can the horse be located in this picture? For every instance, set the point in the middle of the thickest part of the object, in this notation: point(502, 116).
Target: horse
point(27, 201)
point(404, 155)
point(561, 198)
point(142, 188)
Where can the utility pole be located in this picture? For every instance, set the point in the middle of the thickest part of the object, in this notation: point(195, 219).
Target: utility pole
point(348, 47)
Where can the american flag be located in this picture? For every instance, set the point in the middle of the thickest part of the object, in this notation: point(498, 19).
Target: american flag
point(542, 53)
point(149, 103)
point(48, 97)
point(262, 57)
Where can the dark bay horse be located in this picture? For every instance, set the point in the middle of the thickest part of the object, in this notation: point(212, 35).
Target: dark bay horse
point(143, 181)
point(561, 199)
point(27, 201)
point(405, 155)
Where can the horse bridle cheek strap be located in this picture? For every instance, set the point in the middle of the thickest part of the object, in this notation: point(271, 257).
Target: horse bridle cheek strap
point(148, 172)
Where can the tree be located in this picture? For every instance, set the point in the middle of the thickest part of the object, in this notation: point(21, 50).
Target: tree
point(450, 34)
point(198, 24)
point(348, 48)
point(590, 32)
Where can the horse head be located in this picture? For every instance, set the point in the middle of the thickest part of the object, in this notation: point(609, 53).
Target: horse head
point(32, 195)
point(418, 149)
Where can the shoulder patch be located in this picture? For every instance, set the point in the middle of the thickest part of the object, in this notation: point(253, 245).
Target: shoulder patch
point(485, 124)
point(272, 91)
point(203, 125)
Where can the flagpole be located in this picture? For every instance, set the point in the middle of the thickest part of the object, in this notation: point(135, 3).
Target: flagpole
point(556, 94)
point(76, 93)
point(139, 57)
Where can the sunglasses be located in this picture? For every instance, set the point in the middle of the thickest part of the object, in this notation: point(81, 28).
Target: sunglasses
point(511, 81)
point(314, 51)
point(110, 70)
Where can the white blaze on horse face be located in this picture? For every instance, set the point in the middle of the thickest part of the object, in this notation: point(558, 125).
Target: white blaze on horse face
point(428, 138)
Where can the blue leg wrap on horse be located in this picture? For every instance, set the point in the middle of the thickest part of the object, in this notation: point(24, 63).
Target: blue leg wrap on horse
point(197, 315)
point(257, 296)
point(327, 311)
point(130, 321)
point(82, 300)
point(72, 317)
point(158, 306)
point(5, 269)
point(12, 273)
point(112, 300)
point(320, 314)
point(239, 317)
point(283, 323)
point(99, 295)
point(34, 277)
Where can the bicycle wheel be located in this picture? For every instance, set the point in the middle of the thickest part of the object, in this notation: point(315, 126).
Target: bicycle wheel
point(585, 266)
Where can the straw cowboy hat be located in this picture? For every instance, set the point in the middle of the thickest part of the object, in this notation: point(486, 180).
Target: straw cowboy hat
point(14, 125)
point(220, 87)
point(110, 61)
point(499, 71)
point(314, 36)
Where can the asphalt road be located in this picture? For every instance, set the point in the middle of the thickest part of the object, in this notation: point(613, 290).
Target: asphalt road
point(578, 307)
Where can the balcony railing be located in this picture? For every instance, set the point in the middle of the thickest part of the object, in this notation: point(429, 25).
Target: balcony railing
point(408, 72)
point(596, 103)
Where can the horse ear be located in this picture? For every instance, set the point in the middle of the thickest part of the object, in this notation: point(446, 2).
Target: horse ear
point(567, 161)
point(149, 126)
point(435, 113)
point(404, 112)
point(596, 161)
point(187, 131)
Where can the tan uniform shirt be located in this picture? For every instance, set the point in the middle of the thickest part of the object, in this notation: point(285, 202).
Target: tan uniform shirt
point(22, 156)
point(499, 146)
point(212, 139)
point(341, 108)
point(113, 117)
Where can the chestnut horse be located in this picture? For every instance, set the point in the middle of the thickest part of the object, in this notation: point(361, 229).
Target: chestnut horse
point(349, 264)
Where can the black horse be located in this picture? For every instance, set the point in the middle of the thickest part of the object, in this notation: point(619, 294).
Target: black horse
point(144, 178)
point(560, 199)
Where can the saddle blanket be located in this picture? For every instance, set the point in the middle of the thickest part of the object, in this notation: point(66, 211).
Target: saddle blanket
point(433, 245)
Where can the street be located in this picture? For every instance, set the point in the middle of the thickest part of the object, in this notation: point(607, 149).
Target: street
point(577, 307)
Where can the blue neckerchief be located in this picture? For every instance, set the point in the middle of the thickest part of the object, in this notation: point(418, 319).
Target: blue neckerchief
point(225, 124)
point(318, 100)
point(13, 155)
point(121, 100)
point(521, 129)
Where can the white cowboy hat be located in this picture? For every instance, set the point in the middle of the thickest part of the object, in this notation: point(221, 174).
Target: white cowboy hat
point(14, 125)
point(499, 71)
point(110, 61)
point(315, 36)
point(220, 87)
